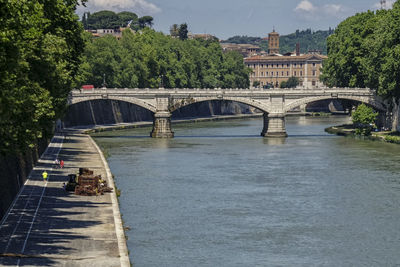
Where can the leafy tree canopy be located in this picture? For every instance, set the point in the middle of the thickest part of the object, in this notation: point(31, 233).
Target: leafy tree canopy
point(364, 51)
point(364, 118)
point(292, 82)
point(106, 19)
point(147, 59)
point(40, 47)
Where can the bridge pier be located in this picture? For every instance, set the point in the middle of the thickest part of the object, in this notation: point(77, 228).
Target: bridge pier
point(162, 125)
point(274, 125)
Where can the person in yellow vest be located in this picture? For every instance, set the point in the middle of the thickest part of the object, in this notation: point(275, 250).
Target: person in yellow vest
point(44, 175)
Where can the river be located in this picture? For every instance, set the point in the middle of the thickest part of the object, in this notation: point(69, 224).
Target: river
point(218, 194)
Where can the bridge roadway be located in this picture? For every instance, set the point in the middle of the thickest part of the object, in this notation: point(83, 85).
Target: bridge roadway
point(47, 226)
point(275, 103)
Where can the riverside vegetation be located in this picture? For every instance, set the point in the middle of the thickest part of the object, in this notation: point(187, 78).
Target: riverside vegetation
point(149, 59)
point(363, 52)
point(40, 48)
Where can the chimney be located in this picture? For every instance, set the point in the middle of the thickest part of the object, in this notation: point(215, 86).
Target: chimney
point(298, 49)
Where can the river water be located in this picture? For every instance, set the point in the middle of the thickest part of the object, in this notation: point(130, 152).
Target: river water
point(218, 194)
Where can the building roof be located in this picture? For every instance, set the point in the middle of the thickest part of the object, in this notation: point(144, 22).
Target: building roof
point(284, 58)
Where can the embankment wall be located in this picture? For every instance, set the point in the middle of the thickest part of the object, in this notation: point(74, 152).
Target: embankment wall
point(14, 170)
point(100, 112)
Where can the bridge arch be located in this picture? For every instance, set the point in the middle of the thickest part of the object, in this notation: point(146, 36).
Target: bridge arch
point(183, 102)
point(375, 103)
point(132, 100)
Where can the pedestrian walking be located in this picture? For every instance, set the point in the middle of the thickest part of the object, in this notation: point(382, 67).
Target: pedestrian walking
point(57, 163)
point(61, 164)
point(44, 175)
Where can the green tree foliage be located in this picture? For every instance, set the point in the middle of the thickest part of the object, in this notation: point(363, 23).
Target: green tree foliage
point(256, 84)
point(103, 20)
point(40, 47)
point(183, 31)
point(106, 19)
point(364, 51)
point(145, 21)
point(143, 60)
point(364, 118)
point(292, 82)
point(174, 30)
point(126, 17)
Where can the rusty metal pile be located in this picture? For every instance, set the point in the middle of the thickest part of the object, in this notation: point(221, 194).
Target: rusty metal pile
point(87, 184)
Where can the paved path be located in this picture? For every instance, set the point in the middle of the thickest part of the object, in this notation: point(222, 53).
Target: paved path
point(47, 226)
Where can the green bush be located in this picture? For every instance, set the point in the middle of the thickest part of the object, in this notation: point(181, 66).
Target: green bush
point(364, 119)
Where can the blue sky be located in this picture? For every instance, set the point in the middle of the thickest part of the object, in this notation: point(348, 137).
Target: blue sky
point(226, 18)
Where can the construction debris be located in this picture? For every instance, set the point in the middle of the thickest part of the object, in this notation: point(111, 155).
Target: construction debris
point(87, 184)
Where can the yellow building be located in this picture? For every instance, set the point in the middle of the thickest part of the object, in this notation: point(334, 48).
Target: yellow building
point(274, 68)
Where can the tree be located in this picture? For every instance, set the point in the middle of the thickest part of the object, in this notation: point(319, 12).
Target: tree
point(364, 118)
point(292, 82)
point(126, 17)
point(183, 31)
point(364, 51)
point(40, 50)
point(174, 30)
point(104, 19)
point(143, 60)
point(256, 84)
point(145, 21)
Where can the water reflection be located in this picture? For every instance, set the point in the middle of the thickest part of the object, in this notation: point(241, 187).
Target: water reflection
point(274, 141)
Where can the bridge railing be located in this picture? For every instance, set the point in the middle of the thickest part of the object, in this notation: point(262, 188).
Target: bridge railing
point(247, 90)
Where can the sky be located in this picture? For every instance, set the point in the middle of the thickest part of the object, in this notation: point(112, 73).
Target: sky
point(227, 18)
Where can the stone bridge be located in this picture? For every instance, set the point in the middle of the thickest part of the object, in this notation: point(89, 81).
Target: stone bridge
point(275, 103)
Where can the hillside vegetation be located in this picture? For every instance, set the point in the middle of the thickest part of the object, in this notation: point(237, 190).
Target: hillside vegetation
point(307, 39)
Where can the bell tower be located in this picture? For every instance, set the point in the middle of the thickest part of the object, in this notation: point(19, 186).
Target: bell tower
point(273, 42)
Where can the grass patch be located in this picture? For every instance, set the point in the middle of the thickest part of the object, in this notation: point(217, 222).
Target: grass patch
point(393, 137)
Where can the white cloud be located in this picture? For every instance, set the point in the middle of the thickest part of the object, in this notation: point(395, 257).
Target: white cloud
point(333, 10)
point(138, 6)
point(389, 4)
point(305, 6)
point(309, 11)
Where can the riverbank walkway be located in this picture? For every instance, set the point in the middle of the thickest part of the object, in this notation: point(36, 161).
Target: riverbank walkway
point(47, 226)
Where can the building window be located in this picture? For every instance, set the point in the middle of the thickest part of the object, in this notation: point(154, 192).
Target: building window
point(295, 73)
point(313, 83)
point(277, 65)
point(283, 73)
point(313, 64)
point(272, 73)
point(254, 65)
point(287, 65)
point(282, 65)
point(262, 74)
point(262, 65)
point(301, 64)
point(266, 74)
point(277, 74)
point(314, 73)
point(287, 73)
point(295, 65)
point(301, 73)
